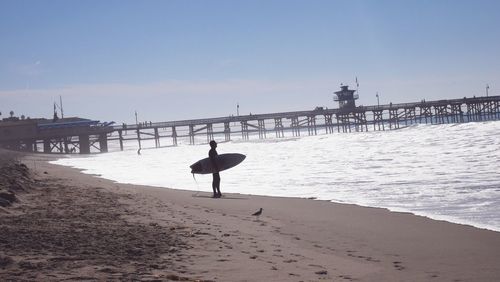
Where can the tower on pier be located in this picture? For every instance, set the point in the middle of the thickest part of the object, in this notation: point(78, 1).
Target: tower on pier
point(346, 97)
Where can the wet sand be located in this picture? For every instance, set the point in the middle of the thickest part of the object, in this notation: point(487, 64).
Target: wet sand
point(68, 225)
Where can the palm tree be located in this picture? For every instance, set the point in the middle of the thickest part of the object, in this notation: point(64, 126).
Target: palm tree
point(11, 113)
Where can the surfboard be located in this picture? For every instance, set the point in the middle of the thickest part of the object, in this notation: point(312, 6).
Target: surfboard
point(224, 161)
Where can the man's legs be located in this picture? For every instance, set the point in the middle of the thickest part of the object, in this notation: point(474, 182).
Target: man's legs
point(216, 185)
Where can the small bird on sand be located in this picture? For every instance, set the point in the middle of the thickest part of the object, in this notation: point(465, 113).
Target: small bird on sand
point(258, 213)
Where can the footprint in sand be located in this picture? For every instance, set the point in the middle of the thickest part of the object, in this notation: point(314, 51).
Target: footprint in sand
point(398, 265)
point(222, 260)
point(372, 259)
point(346, 277)
point(289, 261)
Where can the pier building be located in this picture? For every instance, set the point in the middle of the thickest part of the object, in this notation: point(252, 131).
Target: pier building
point(346, 98)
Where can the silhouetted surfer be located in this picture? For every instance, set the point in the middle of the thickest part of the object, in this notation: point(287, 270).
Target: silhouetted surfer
point(212, 154)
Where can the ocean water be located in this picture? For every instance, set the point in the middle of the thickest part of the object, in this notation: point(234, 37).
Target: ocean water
point(447, 172)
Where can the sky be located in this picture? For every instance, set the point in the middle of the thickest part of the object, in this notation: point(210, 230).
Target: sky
point(174, 60)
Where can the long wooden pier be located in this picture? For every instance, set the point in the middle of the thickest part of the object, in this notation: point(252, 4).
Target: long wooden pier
point(313, 122)
point(83, 136)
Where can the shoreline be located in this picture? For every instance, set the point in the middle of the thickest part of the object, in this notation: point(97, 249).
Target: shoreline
point(295, 239)
point(445, 218)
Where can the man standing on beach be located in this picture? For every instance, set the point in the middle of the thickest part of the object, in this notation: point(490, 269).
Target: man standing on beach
point(212, 154)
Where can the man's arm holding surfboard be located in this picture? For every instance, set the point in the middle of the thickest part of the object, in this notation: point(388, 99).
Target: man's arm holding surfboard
point(213, 155)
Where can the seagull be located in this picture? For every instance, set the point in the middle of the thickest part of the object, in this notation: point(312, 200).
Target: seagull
point(258, 213)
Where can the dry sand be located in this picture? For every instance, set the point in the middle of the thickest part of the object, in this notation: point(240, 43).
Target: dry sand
point(72, 226)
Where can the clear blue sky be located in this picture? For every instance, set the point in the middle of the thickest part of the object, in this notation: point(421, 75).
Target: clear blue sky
point(184, 59)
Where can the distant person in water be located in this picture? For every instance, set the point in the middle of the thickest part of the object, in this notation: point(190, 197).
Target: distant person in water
point(212, 154)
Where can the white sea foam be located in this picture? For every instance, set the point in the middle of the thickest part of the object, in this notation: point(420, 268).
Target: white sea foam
point(448, 172)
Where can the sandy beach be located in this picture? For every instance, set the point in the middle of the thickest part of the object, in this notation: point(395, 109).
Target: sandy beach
point(65, 225)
